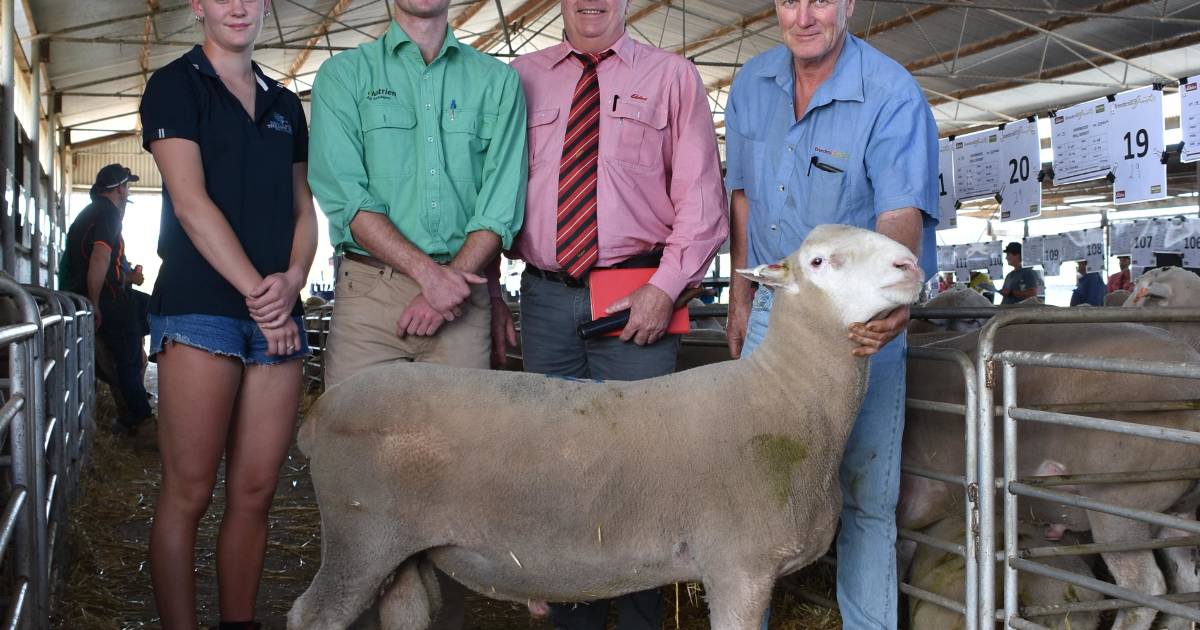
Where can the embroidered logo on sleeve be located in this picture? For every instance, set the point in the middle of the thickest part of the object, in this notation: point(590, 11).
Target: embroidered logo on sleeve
point(279, 123)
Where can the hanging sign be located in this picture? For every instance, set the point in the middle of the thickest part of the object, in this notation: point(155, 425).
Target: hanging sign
point(976, 164)
point(945, 258)
point(1120, 238)
point(1143, 236)
point(1079, 137)
point(1189, 118)
point(947, 198)
point(1020, 163)
point(1031, 251)
point(1136, 141)
point(1051, 254)
point(1087, 245)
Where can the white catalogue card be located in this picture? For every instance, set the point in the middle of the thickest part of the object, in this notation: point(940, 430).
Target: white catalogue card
point(1136, 140)
point(1020, 163)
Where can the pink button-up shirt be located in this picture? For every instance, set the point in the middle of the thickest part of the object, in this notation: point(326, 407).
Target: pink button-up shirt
point(659, 175)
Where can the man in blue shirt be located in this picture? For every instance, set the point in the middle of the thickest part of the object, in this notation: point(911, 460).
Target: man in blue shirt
point(1089, 287)
point(826, 129)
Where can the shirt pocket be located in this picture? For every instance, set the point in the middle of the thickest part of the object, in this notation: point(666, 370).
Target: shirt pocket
point(640, 132)
point(541, 136)
point(466, 136)
point(388, 135)
point(824, 202)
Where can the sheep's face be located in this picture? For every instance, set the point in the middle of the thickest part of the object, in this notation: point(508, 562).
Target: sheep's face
point(1171, 286)
point(863, 273)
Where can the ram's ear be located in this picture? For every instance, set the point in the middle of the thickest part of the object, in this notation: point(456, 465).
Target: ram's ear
point(778, 275)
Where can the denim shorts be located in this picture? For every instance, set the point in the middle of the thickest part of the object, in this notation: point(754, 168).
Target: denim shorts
point(223, 336)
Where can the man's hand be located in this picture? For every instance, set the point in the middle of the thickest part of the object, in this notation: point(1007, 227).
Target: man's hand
point(282, 340)
point(649, 314)
point(270, 303)
point(875, 334)
point(736, 322)
point(504, 333)
point(421, 319)
point(135, 276)
point(445, 288)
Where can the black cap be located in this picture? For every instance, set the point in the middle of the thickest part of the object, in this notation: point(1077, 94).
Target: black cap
point(112, 176)
point(1013, 248)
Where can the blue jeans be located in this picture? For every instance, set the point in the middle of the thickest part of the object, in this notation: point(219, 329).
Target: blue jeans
point(223, 336)
point(125, 348)
point(870, 481)
point(550, 313)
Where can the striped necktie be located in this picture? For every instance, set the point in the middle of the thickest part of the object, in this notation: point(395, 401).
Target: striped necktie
point(577, 245)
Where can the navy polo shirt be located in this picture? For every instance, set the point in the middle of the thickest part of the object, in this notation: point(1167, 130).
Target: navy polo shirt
point(247, 174)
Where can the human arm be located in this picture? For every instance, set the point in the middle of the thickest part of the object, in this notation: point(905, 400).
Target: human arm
point(701, 216)
point(98, 264)
point(903, 225)
point(421, 317)
point(741, 290)
point(271, 302)
point(183, 175)
point(902, 163)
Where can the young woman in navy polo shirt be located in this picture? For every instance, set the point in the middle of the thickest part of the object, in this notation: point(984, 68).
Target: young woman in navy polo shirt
point(238, 237)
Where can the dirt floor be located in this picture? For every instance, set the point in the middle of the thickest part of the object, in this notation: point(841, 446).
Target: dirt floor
point(107, 581)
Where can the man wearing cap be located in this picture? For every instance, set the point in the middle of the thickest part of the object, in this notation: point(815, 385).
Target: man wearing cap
point(94, 265)
point(1021, 283)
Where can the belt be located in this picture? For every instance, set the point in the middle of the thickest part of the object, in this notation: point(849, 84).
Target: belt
point(363, 259)
point(560, 277)
point(649, 259)
point(371, 261)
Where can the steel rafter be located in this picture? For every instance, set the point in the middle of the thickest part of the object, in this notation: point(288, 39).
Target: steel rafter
point(319, 32)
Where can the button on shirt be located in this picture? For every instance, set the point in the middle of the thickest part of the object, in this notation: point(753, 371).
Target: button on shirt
point(439, 149)
point(248, 163)
point(866, 144)
point(658, 176)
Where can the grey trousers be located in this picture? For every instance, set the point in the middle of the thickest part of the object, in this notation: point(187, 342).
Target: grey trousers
point(550, 312)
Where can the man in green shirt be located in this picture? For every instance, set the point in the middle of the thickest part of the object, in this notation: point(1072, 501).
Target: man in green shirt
point(417, 156)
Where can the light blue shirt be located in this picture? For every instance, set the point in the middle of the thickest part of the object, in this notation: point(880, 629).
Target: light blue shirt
point(866, 144)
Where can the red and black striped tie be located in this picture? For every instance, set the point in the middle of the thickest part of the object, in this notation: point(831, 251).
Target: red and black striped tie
point(577, 245)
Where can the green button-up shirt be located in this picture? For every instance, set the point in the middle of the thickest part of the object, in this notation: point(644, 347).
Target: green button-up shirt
point(439, 148)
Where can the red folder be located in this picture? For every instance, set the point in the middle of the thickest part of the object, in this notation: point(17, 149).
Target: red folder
point(609, 285)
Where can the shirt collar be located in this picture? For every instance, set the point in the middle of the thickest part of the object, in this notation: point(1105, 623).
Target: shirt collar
point(395, 37)
point(625, 49)
point(200, 62)
point(844, 84)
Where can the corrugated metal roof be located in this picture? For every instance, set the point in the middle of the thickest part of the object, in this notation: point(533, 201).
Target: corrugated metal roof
point(101, 52)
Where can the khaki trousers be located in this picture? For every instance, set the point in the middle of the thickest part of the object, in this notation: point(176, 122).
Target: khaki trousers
point(362, 332)
point(362, 335)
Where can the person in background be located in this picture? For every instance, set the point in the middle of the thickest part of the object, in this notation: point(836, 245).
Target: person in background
point(1021, 283)
point(982, 284)
point(1122, 280)
point(1089, 287)
point(238, 237)
point(94, 265)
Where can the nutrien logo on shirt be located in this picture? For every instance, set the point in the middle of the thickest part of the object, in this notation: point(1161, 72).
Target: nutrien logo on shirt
point(279, 123)
point(380, 93)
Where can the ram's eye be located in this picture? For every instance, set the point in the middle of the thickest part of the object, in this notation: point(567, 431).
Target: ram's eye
point(817, 262)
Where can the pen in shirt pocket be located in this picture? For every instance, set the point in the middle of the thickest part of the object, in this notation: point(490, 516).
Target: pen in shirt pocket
point(828, 168)
point(453, 107)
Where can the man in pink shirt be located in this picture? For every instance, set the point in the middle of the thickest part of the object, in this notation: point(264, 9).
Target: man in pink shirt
point(623, 171)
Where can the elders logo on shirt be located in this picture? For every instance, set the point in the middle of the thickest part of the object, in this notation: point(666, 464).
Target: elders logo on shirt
point(279, 123)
